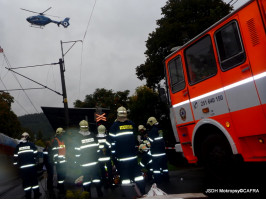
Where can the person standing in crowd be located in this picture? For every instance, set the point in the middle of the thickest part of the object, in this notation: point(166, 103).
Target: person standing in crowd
point(142, 134)
point(159, 160)
point(49, 165)
point(144, 151)
point(87, 158)
point(59, 157)
point(104, 156)
point(25, 157)
point(146, 158)
point(125, 151)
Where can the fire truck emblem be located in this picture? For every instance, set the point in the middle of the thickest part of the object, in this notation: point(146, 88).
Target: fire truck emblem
point(195, 105)
point(182, 113)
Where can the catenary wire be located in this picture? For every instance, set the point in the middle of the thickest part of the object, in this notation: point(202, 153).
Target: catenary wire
point(82, 45)
point(14, 98)
point(9, 66)
point(234, 2)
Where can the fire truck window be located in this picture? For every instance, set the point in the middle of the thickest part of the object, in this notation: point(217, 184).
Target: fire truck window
point(229, 45)
point(176, 75)
point(200, 61)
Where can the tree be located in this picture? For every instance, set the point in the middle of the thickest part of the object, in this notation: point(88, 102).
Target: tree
point(142, 105)
point(182, 20)
point(9, 123)
point(104, 98)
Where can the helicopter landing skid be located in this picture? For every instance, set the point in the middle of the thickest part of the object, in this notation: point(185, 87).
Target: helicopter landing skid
point(41, 27)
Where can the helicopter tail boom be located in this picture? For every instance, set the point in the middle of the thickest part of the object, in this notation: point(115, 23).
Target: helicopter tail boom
point(65, 22)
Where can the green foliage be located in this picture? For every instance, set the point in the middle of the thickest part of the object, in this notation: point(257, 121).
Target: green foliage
point(142, 105)
point(9, 123)
point(182, 20)
point(104, 98)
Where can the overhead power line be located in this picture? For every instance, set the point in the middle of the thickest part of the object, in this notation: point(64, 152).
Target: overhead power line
point(34, 81)
point(8, 64)
point(89, 20)
point(234, 3)
point(9, 90)
point(34, 66)
point(82, 44)
point(14, 98)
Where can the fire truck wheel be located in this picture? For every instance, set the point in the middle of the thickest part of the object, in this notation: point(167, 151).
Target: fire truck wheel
point(216, 155)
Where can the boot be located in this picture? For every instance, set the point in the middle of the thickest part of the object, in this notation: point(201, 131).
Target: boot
point(99, 190)
point(37, 194)
point(28, 194)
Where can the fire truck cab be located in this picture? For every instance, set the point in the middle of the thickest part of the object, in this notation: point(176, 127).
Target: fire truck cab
point(217, 89)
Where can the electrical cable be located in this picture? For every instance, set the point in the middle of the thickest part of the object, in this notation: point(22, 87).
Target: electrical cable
point(16, 101)
point(234, 2)
point(54, 78)
point(80, 69)
point(82, 44)
point(89, 20)
point(22, 89)
point(34, 66)
point(14, 98)
point(230, 2)
point(7, 62)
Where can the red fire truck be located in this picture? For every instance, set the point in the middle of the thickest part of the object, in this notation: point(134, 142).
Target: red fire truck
point(217, 89)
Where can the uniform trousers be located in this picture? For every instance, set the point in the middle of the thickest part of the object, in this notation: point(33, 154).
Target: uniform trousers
point(30, 181)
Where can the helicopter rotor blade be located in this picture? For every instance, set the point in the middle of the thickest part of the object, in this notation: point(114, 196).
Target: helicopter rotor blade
point(45, 10)
point(53, 16)
point(29, 10)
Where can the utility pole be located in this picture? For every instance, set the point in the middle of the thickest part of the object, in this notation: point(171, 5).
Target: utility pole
point(62, 70)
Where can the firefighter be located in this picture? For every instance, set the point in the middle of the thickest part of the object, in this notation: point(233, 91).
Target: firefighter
point(87, 158)
point(25, 157)
point(159, 160)
point(59, 157)
point(49, 165)
point(146, 158)
point(125, 151)
point(104, 156)
point(142, 134)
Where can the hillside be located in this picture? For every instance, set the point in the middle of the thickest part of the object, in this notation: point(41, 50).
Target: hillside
point(37, 123)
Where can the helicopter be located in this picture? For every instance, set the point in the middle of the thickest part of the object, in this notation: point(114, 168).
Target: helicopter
point(41, 20)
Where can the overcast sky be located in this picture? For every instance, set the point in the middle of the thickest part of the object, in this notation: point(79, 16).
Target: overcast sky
point(113, 47)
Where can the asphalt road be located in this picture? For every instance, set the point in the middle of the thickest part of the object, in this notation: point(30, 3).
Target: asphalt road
point(250, 183)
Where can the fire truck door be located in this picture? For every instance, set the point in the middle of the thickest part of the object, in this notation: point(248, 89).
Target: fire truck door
point(238, 81)
point(179, 92)
point(206, 94)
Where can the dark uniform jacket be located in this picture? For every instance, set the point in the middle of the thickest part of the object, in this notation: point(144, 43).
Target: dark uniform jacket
point(25, 154)
point(156, 140)
point(86, 150)
point(104, 150)
point(123, 139)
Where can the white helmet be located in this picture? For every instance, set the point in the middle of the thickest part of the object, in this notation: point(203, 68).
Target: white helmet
point(84, 126)
point(151, 121)
point(147, 143)
point(59, 131)
point(25, 135)
point(101, 129)
point(143, 147)
point(121, 112)
point(141, 127)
